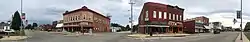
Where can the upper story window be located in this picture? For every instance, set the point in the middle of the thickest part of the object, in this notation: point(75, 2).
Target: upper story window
point(84, 17)
point(146, 14)
point(160, 14)
point(79, 18)
point(169, 16)
point(173, 16)
point(76, 17)
point(165, 15)
point(177, 17)
point(154, 14)
point(71, 19)
point(180, 18)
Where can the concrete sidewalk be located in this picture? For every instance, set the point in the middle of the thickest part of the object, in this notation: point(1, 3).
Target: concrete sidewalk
point(13, 37)
point(244, 38)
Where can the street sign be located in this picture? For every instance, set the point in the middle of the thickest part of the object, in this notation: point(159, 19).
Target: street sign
point(239, 14)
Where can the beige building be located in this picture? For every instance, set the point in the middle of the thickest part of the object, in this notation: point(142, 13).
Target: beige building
point(84, 19)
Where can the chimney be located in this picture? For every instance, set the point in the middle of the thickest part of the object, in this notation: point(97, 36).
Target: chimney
point(66, 11)
point(84, 7)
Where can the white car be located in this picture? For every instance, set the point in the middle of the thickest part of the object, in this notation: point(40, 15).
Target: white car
point(7, 29)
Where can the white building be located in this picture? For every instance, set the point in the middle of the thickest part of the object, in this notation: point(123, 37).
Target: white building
point(214, 25)
point(115, 29)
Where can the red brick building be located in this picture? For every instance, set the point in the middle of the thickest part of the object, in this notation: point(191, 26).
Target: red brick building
point(160, 18)
point(84, 19)
point(202, 19)
point(196, 24)
point(189, 26)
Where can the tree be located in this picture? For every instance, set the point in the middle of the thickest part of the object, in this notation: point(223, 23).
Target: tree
point(28, 26)
point(247, 26)
point(135, 28)
point(16, 21)
point(54, 23)
point(2, 22)
point(127, 27)
point(118, 25)
point(34, 25)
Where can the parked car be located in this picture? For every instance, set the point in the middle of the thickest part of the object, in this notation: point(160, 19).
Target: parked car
point(216, 32)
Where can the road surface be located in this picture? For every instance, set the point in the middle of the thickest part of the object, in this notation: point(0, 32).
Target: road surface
point(121, 37)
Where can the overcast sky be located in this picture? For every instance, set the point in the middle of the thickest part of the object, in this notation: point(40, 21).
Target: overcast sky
point(46, 11)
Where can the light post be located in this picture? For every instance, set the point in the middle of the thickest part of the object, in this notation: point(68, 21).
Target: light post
point(22, 24)
point(131, 16)
point(241, 19)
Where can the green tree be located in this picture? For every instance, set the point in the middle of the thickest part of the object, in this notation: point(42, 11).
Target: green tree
point(16, 21)
point(127, 27)
point(135, 28)
point(247, 26)
point(34, 25)
point(28, 26)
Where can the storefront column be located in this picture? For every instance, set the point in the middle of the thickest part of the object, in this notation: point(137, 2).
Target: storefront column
point(68, 30)
point(172, 29)
point(166, 30)
point(178, 29)
point(72, 30)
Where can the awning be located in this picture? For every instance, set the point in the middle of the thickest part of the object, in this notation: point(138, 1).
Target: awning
point(153, 26)
point(198, 27)
point(207, 27)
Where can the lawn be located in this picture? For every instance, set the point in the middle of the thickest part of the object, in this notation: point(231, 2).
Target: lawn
point(247, 34)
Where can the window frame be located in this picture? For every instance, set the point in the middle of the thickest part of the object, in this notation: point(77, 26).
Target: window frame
point(165, 15)
point(154, 14)
point(173, 16)
point(169, 16)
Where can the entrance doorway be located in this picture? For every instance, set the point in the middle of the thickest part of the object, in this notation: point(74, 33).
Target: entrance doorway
point(156, 30)
point(175, 29)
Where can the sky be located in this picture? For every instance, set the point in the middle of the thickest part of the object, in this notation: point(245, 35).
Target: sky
point(46, 11)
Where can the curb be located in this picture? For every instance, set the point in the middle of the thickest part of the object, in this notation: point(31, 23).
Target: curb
point(244, 38)
point(14, 39)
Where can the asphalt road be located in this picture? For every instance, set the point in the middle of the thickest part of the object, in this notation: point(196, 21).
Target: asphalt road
point(121, 37)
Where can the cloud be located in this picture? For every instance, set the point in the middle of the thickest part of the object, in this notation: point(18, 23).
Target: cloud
point(46, 11)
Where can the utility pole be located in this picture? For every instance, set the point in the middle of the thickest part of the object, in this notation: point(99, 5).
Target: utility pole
point(22, 26)
point(241, 19)
point(131, 17)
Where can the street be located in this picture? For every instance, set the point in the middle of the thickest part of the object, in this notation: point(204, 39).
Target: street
point(121, 37)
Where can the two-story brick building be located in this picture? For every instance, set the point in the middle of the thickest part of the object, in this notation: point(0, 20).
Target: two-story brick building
point(160, 18)
point(197, 24)
point(84, 19)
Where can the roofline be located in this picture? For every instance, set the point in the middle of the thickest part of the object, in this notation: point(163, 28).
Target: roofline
point(165, 5)
point(84, 8)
